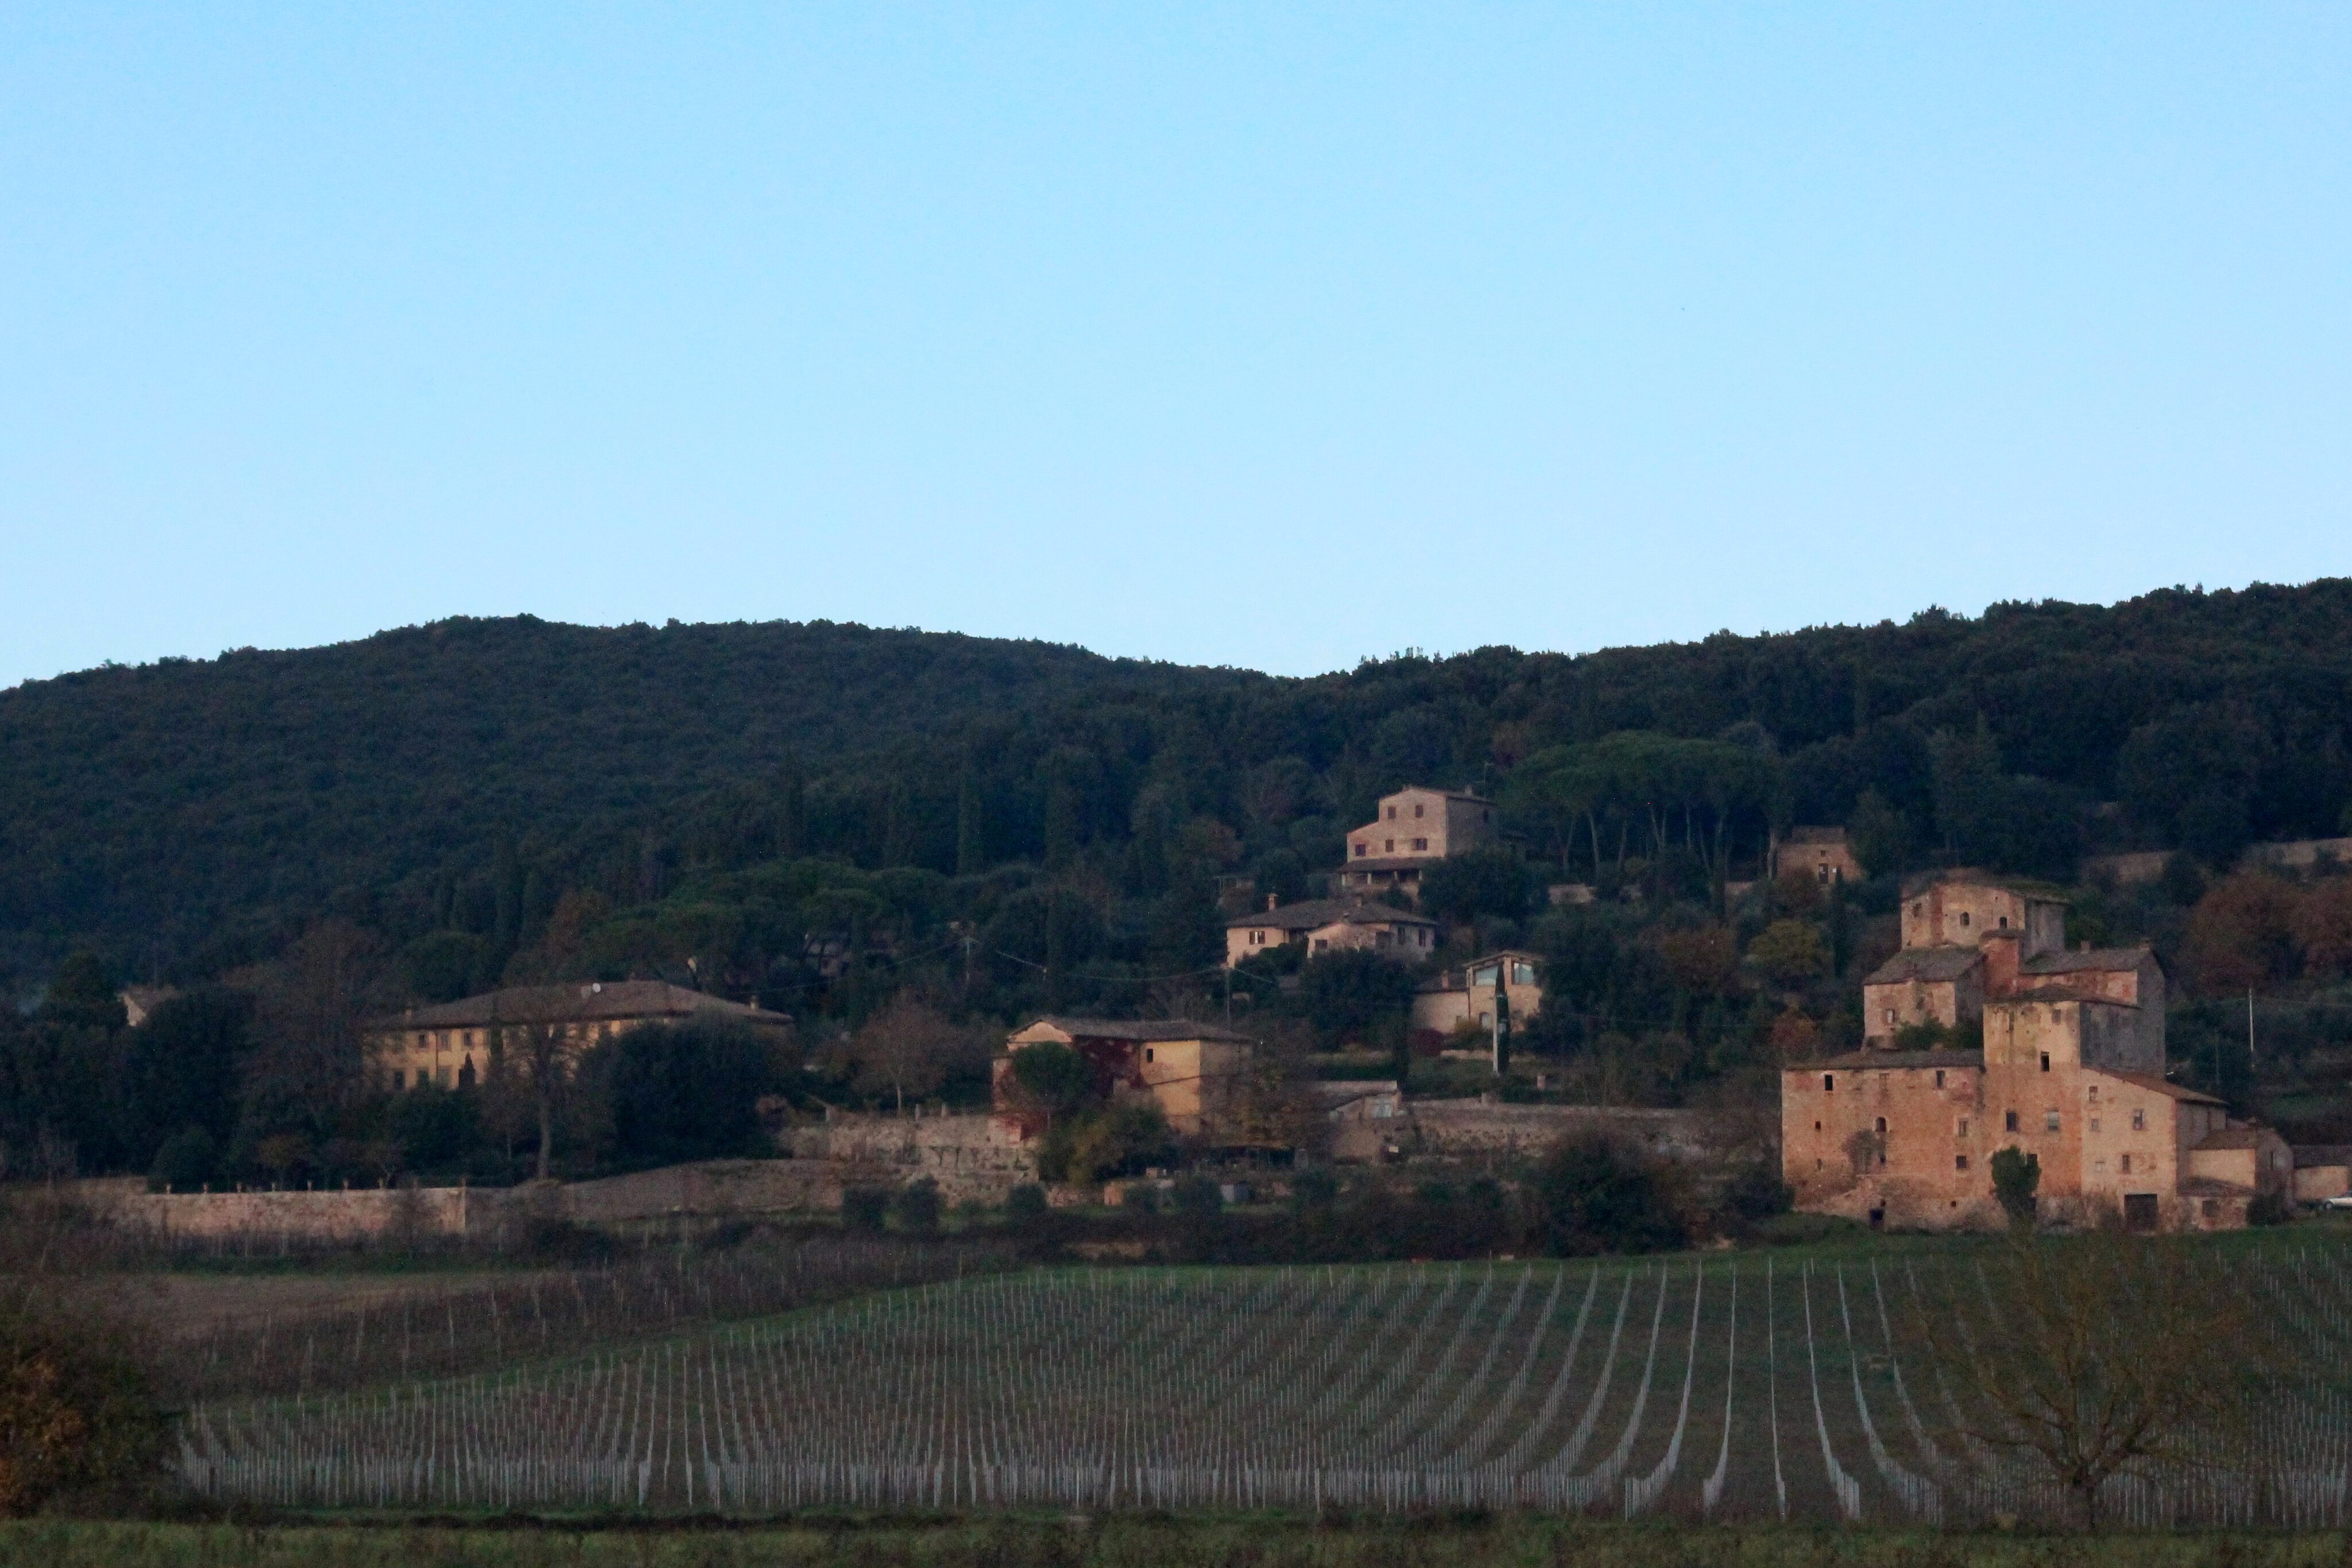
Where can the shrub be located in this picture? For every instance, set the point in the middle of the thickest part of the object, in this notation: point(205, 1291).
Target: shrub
point(918, 1204)
point(76, 1416)
point(2269, 1209)
point(2015, 1176)
point(864, 1209)
point(1025, 1204)
point(188, 1159)
point(1594, 1196)
point(1197, 1197)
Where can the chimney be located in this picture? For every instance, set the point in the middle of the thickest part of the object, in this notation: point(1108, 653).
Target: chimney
point(1273, 899)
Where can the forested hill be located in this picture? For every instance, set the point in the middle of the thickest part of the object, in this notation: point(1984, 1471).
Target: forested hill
point(165, 806)
point(463, 776)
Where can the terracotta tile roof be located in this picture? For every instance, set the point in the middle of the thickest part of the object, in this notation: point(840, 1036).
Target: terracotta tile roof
point(1313, 914)
point(2232, 1138)
point(2060, 994)
point(1934, 964)
point(1138, 1029)
point(1861, 1060)
point(2077, 961)
point(588, 1002)
point(2026, 886)
point(2159, 1086)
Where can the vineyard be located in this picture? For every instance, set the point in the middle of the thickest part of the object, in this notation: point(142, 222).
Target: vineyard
point(1726, 1390)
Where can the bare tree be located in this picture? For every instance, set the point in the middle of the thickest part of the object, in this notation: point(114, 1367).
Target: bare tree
point(909, 1047)
point(310, 1014)
point(541, 1048)
point(2095, 1356)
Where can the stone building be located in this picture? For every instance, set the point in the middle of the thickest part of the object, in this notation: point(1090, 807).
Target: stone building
point(1819, 853)
point(1415, 827)
point(450, 1044)
point(1331, 924)
point(1466, 995)
point(2064, 1059)
point(1193, 1072)
point(1970, 938)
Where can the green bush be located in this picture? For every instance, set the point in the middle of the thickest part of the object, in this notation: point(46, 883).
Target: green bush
point(918, 1206)
point(865, 1209)
point(1594, 1196)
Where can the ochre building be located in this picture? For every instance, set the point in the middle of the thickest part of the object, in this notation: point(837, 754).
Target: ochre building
point(1192, 1071)
point(2067, 1063)
point(450, 1044)
point(1416, 828)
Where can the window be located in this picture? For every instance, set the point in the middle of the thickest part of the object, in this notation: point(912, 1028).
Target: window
point(1939, 1077)
point(2049, 1121)
point(1416, 811)
point(1421, 844)
point(2099, 1165)
point(1964, 919)
point(1425, 934)
point(2127, 1164)
point(2213, 1208)
point(1388, 847)
point(2094, 1093)
point(1963, 1131)
point(2004, 923)
point(1918, 909)
point(2094, 1123)
point(1484, 979)
point(1360, 848)
point(1817, 1126)
point(1147, 1053)
point(1882, 1125)
point(1960, 1162)
point(1829, 1083)
point(1890, 1015)
point(1523, 974)
point(1391, 813)
point(2008, 1121)
point(2045, 1061)
point(2140, 1121)
point(399, 1079)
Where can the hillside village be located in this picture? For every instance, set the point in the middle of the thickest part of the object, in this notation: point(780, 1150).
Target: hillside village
point(1984, 1030)
point(1443, 912)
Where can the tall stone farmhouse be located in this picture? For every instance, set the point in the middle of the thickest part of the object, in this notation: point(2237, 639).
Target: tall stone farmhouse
point(2069, 1069)
point(1416, 828)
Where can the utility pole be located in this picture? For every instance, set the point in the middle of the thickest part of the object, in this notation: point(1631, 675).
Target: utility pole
point(2250, 1034)
point(1502, 1019)
point(1229, 996)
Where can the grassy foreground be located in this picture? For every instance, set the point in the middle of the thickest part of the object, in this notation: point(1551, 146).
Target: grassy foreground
point(1137, 1543)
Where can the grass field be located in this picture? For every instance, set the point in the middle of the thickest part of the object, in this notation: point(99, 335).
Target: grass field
point(1143, 1543)
point(1760, 1388)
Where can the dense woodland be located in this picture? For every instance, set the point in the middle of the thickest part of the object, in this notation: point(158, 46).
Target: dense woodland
point(907, 839)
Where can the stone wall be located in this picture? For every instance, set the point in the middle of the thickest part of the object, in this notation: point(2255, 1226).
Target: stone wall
point(706, 1189)
point(1483, 1128)
point(974, 1159)
point(354, 1215)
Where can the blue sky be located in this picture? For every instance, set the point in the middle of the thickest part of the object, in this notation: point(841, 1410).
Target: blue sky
point(1261, 335)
